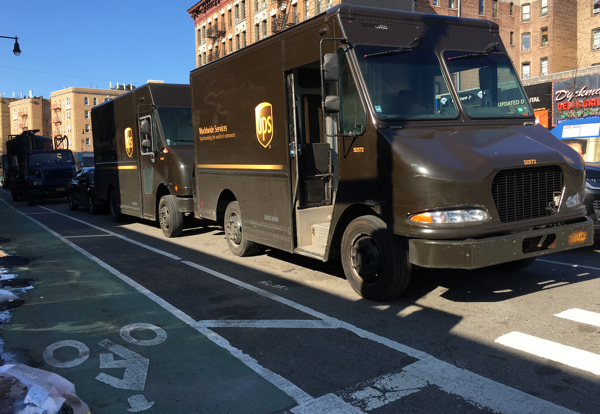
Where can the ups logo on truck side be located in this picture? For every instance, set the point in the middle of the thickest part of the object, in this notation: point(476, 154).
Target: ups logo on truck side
point(264, 123)
point(129, 142)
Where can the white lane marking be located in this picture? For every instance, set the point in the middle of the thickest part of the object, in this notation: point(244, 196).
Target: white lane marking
point(470, 390)
point(277, 323)
point(83, 355)
point(137, 243)
point(567, 355)
point(138, 403)
point(570, 264)
point(327, 404)
point(386, 389)
point(583, 316)
point(136, 367)
point(161, 335)
point(278, 381)
point(43, 212)
point(88, 235)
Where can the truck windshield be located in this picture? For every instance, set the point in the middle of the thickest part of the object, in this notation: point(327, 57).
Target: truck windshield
point(176, 125)
point(407, 85)
point(48, 158)
point(487, 85)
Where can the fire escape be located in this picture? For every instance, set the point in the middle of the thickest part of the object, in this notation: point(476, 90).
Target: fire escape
point(215, 32)
point(23, 122)
point(58, 139)
point(280, 22)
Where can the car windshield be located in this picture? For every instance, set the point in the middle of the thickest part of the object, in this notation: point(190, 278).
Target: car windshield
point(48, 158)
point(176, 125)
point(487, 85)
point(405, 85)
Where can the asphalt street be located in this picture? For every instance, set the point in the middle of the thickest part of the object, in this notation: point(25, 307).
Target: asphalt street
point(140, 323)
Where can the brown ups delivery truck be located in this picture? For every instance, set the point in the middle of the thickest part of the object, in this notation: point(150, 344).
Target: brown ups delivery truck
point(143, 149)
point(386, 138)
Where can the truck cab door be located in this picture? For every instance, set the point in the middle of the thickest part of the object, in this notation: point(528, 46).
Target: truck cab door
point(148, 152)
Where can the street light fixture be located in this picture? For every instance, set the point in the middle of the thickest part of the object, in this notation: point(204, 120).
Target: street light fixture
point(16, 49)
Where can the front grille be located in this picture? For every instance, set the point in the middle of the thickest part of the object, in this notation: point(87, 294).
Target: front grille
point(596, 204)
point(526, 193)
point(58, 174)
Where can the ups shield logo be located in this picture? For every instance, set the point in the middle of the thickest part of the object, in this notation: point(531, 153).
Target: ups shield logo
point(264, 123)
point(129, 142)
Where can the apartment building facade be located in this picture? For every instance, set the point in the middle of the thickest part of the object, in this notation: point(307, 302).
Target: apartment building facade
point(29, 114)
point(4, 122)
point(71, 119)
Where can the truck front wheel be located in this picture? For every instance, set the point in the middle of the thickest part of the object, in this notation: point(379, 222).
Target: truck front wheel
point(169, 216)
point(374, 261)
point(115, 210)
point(236, 239)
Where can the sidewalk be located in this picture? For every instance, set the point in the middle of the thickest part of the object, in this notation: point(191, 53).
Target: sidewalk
point(122, 351)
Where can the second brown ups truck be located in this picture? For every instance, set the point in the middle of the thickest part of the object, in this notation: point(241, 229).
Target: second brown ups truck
point(388, 139)
point(143, 151)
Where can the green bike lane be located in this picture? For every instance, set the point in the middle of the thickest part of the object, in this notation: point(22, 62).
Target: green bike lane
point(123, 351)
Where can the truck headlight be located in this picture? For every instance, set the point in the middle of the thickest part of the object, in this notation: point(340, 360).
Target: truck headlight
point(463, 216)
point(574, 199)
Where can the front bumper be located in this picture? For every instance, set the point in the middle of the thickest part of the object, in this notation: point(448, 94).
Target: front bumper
point(477, 253)
point(54, 191)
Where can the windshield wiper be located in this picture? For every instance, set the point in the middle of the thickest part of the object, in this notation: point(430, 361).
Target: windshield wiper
point(401, 49)
point(483, 52)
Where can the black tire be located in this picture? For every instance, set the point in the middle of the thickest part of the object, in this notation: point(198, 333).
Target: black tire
point(236, 239)
point(374, 260)
point(16, 197)
point(91, 205)
point(169, 216)
point(115, 210)
point(516, 265)
point(73, 206)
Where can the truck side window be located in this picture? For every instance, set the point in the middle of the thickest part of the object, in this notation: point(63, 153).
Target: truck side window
point(352, 112)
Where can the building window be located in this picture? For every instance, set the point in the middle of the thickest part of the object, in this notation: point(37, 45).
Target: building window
point(86, 115)
point(511, 9)
point(237, 13)
point(87, 129)
point(244, 39)
point(526, 41)
point(436, 2)
point(230, 45)
point(95, 101)
point(451, 4)
point(481, 9)
point(526, 11)
point(495, 9)
point(273, 24)
point(544, 36)
point(512, 38)
point(243, 3)
point(306, 10)
point(14, 114)
point(47, 122)
point(68, 114)
point(264, 28)
point(68, 102)
point(87, 141)
point(255, 5)
point(237, 42)
point(526, 71)
point(229, 18)
point(596, 39)
point(596, 6)
point(256, 32)
point(106, 99)
point(86, 101)
point(544, 4)
point(319, 7)
point(69, 128)
point(544, 66)
point(295, 13)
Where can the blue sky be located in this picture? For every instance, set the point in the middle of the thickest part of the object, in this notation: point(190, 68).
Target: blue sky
point(79, 43)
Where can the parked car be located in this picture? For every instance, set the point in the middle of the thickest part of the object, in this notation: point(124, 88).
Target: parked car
point(81, 191)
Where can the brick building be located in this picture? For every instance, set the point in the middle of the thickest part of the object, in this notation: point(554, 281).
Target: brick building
point(28, 114)
point(71, 114)
point(4, 121)
point(542, 36)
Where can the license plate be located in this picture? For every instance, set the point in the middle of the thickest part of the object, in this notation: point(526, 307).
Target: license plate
point(578, 237)
point(60, 189)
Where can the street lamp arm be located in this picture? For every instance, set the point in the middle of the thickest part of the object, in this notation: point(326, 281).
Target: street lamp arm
point(16, 49)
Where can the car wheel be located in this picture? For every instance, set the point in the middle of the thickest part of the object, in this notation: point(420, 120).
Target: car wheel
point(72, 204)
point(374, 260)
point(91, 204)
point(115, 210)
point(169, 216)
point(236, 239)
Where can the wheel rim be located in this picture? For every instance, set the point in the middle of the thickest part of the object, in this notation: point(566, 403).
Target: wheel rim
point(165, 217)
point(365, 259)
point(234, 229)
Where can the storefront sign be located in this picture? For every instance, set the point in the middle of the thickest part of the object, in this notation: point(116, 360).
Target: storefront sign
point(576, 98)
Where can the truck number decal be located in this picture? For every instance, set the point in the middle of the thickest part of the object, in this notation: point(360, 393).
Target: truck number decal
point(358, 149)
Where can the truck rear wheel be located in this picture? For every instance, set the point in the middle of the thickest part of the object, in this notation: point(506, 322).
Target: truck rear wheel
point(236, 240)
point(15, 195)
point(115, 210)
point(374, 261)
point(73, 206)
point(169, 216)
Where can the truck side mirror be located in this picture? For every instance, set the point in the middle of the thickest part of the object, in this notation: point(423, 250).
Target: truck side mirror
point(331, 67)
point(146, 145)
point(145, 126)
point(332, 104)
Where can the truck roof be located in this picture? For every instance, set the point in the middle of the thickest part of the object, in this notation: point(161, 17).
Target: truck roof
point(160, 94)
